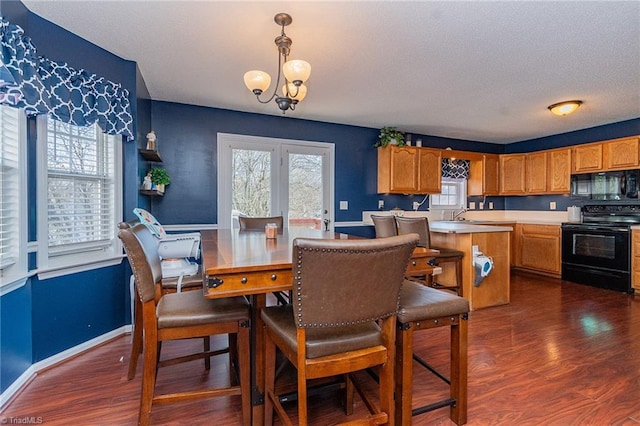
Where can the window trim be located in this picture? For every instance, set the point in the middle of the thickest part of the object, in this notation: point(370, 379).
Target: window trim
point(51, 262)
point(14, 275)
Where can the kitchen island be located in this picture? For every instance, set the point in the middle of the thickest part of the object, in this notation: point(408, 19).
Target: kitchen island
point(492, 241)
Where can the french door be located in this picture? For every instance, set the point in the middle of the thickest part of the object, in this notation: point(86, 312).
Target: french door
point(270, 177)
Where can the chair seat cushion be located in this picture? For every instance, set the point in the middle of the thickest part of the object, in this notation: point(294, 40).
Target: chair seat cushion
point(419, 302)
point(447, 252)
point(321, 341)
point(191, 281)
point(192, 308)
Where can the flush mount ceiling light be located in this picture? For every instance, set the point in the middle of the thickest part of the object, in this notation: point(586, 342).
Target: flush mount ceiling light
point(295, 71)
point(564, 108)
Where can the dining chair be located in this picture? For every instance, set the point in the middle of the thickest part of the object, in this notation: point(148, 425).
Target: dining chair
point(182, 316)
point(385, 226)
point(258, 223)
point(424, 308)
point(341, 320)
point(167, 285)
point(420, 226)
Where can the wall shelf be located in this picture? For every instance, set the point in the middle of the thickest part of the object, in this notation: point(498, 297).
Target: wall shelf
point(151, 192)
point(150, 155)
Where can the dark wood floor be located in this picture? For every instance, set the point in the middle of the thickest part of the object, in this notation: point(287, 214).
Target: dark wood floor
point(559, 354)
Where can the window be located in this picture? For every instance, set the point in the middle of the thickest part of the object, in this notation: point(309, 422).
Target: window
point(260, 176)
point(80, 184)
point(13, 226)
point(452, 197)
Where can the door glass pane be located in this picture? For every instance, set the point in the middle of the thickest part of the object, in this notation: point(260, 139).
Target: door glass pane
point(251, 183)
point(305, 190)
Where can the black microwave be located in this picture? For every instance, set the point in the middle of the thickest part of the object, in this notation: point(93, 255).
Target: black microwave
point(606, 186)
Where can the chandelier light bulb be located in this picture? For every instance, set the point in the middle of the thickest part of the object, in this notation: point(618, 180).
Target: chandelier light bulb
point(299, 91)
point(257, 81)
point(296, 70)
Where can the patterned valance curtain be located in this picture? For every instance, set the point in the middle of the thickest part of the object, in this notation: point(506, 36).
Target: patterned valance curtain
point(455, 169)
point(42, 86)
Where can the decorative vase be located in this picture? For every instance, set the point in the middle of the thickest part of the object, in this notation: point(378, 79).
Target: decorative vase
point(160, 187)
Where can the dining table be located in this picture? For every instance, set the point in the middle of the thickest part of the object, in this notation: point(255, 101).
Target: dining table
point(246, 263)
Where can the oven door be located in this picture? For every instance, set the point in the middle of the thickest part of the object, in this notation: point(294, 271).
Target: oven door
point(597, 246)
point(597, 256)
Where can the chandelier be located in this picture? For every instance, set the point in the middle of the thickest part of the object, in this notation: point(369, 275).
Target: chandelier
point(295, 71)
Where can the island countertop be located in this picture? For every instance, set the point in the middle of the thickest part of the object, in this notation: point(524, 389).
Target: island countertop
point(464, 227)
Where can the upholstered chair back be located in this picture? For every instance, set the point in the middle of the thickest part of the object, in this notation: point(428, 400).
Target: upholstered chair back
point(415, 225)
point(258, 223)
point(348, 282)
point(385, 226)
point(141, 248)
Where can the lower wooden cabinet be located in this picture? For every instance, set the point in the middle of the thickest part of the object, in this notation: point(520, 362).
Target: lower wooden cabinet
point(538, 248)
point(635, 260)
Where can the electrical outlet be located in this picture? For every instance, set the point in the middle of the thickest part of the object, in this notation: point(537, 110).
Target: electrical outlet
point(416, 205)
point(472, 205)
point(552, 205)
point(380, 204)
point(344, 205)
point(481, 205)
point(490, 205)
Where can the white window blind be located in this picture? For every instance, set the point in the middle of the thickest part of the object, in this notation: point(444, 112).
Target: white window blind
point(9, 185)
point(80, 188)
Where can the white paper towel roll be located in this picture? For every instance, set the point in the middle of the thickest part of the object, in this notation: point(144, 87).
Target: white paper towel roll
point(573, 214)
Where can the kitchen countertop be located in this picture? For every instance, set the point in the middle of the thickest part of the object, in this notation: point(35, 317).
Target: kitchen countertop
point(465, 227)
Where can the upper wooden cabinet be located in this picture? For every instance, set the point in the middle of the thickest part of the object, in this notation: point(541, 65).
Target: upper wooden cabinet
point(429, 171)
point(587, 158)
point(536, 172)
point(512, 174)
point(620, 154)
point(484, 176)
point(559, 171)
point(615, 154)
point(409, 170)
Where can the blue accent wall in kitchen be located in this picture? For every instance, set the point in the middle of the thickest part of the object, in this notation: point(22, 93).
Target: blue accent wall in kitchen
point(593, 134)
point(187, 141)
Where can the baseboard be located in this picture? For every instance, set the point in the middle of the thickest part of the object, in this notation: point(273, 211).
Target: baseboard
point(7, 396)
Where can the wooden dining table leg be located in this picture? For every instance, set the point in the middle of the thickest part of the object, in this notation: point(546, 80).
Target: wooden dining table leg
point(258, 301)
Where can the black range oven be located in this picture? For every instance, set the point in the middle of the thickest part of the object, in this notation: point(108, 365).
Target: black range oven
point(597, 251)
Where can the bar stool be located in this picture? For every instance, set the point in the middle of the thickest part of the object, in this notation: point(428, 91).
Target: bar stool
point(423, 308)
point(420, 226)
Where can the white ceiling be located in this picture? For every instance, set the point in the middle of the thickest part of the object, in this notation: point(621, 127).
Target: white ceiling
point(483, 71)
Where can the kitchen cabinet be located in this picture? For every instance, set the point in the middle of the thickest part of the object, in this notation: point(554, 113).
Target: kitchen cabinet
point(484, 176)
point(409, 170)
point(538, 248)
point(635, 260)
point(559, 171)
point(621, 154)
point(512, 174)
point(587, 158)
point(536, 172)
point(429, 171)
point(495, 288)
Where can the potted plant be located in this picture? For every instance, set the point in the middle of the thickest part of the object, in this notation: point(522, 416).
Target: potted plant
point(389, 135)
point(159, 178)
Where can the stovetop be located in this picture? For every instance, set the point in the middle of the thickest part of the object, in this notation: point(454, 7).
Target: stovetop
point(611, 214)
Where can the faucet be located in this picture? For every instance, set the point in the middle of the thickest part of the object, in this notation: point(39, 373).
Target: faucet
point(454, 215)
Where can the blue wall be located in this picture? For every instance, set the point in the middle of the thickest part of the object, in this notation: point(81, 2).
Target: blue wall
point(187, 141)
